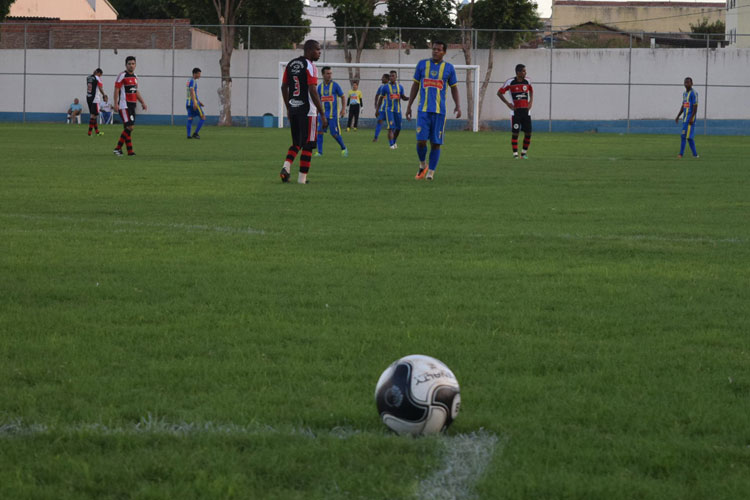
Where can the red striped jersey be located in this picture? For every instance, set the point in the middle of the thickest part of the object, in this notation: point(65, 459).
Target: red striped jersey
point(520, 90)
point(126, 86)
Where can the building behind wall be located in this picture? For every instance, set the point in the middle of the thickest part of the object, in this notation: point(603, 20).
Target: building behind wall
point(738, 23)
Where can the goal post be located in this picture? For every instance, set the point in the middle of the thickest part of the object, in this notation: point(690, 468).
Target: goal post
point(465, 67)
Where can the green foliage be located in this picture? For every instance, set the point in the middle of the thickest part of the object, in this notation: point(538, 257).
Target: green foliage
point(424, 13)
point(504, 15)
point(151, 9)
point(704, 27)
point(356, 21)
point(5, 8)
point(276, 13)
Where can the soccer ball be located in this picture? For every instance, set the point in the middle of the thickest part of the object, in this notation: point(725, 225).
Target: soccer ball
point(417, 395)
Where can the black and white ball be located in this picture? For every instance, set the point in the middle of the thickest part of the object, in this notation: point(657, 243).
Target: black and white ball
point(418, 395)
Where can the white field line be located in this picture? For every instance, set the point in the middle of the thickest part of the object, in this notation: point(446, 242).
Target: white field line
point(621, 237)
point(123, 222)
point(464, 457)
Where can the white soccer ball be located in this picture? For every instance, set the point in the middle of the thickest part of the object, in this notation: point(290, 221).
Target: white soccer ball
point(418, 395)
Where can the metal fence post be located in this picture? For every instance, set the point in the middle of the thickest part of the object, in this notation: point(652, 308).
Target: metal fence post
point(173, 37)
point(25, 26)
point(99, 60)
point(630, 68)
point(705, 96)
point(247, 82)
point(551, 51)
point(324, 43)
point(400, 42)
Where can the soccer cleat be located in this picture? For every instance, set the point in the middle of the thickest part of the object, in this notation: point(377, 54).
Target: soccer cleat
point(345, 153)
point(131, 154)
point(524, 156)
point(679, 157)
point(100, 134)
point(196, 136)
point(189, 137)
point(515, 156)
point(284, 175)
point(374, 139)
point(347, 129)
point(117, 152)
point(421, 173)
point(355, 129)
point(430, 175)
point(317, 154)
point(696, 156)
point(395, 146)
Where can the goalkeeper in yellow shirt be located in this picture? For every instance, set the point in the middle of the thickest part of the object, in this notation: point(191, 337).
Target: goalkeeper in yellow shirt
point(354, 103)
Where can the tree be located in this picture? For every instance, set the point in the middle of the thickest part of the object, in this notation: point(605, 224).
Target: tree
point(226, 10)
point(5, 8)
point(149, 9)
point(415, 13)
point(703, 28)
point(285, 13)
point(357, 27)
point(492, 15)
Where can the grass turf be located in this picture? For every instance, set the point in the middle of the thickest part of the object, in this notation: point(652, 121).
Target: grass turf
point(592, 302)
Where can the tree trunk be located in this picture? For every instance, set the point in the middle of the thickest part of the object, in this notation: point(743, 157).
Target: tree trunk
point(225, 91)
point(487, 74)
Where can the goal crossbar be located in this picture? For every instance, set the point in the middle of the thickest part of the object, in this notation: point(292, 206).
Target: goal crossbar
point(474, 67)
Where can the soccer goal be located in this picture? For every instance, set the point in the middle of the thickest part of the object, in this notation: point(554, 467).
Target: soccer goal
point(372, 77)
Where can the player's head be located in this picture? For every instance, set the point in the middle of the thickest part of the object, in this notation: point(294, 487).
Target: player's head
point(98, 72)
point(75, 101)
point(196, 73)
point(355, 84)
point(106, 98)
point(385, 78)
point(327, 74)
point(688, 83)
point(520, 70)
point(439, 48)
point(393, 76)
point(312, 50)
point(130, 63)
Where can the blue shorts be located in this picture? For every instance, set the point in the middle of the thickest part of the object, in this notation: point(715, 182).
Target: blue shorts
point(688, 131)
point(381, 115)
point(333, 126)
point(430, 127)
point(194, 112)
point(393, 120)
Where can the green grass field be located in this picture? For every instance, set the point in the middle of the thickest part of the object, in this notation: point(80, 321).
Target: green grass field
point(183, 325)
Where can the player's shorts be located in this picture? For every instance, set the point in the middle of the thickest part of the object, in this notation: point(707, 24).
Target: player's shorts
point(128, 114)
point(93, 107)
point(304, 129)
point(393, 119)
point(688, 131)
point(381, 115)
point(194, 112)
point(333, 126)
point(521, 121)
point(430, 127)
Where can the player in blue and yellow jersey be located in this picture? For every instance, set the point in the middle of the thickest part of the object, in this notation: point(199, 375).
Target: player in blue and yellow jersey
point(193, 105)
point(391, 94)
point(330, 92)
point(689, 111)
point(431, 79)
point(380, 108)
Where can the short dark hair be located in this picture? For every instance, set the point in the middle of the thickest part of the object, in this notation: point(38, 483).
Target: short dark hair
point(440, 42)
point(196, 70)
point(129, 58)
point(520, 67)
point(355, 81)
point(385, 75)
point(310, 44)
point(393, 72)
point(98, 71)
point(689, 78)
point(325, 68)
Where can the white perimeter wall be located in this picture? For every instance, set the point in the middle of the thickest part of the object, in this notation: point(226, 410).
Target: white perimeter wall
point(588, 84)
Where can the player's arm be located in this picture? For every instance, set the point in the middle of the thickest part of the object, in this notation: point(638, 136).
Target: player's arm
point(343, 107)
point(501, 95)
point(318, 105)
point(285, 95)
point(412, 95)
point(140, 99)
point(693, 113)
point(115, 104)
point(101, 87)
point(531, 97)
point(403, 96)
point(677, 118)
point(456, 99)
point(378, 99)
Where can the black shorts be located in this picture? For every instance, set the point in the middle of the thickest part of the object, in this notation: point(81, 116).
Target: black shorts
point(304, 129)
point(93, 107)
point(521, 121)
point(128, 114)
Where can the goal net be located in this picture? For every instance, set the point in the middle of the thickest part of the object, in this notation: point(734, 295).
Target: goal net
point(369, 82)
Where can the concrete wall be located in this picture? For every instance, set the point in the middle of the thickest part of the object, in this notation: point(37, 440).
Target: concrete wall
point(588, 84)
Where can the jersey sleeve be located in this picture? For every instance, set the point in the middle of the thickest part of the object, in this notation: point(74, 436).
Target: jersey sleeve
point(505, 87)
point(382, 90)
point(419, 72)
point(452, 80)
point(531, 88)
point(118, 82)
point(694, 97)
point(312, 74)
point(99, 82)
point(339, 92)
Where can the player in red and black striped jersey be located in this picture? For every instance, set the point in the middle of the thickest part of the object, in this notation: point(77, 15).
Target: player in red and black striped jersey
point(522, 94)
point(94, 88)
point(125, 98)
point(299, 89)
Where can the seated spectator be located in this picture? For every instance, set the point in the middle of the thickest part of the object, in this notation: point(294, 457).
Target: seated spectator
point(105, 111)
point(74, 111)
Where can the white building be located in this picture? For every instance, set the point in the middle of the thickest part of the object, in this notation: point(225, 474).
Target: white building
point(738, 23)
point(67, 10)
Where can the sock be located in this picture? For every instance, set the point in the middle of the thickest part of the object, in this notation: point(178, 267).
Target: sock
point(96, 126)
point(122, 139)
point(340, 140)
point(287, 166)
point(92, 120)
point(691, 142)
point(320, 144)
point(434, 159)
point(421, 153)
point(304, 165)
point(682, 145)
point(391, 141)
point(514, 144)
point(200, 124)
point(189, 125)
point(129, 141)
point(526, 142)
point(377, 130)
point(291, 155)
